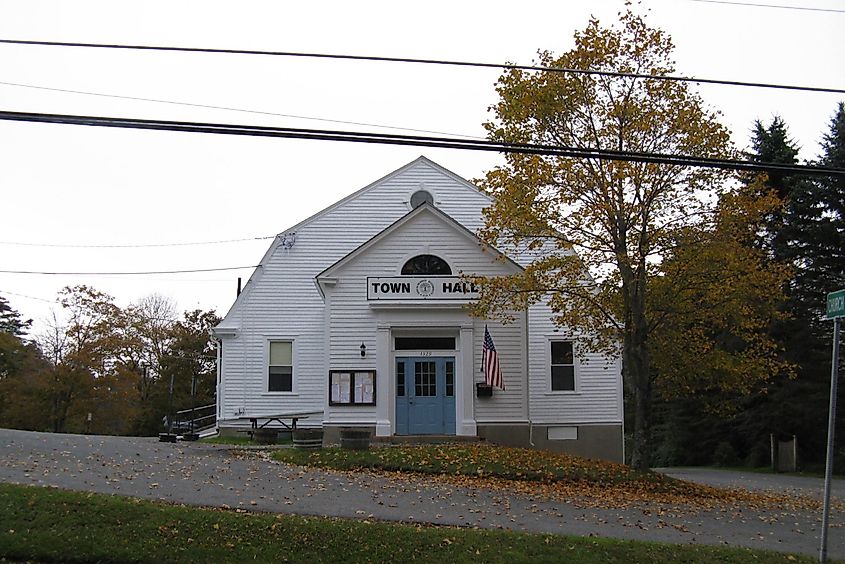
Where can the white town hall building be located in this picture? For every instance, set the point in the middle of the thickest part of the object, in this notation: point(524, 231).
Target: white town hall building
point(357, 314)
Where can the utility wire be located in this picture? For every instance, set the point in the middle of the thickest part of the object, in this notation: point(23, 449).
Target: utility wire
point(139, 246)
point(419, 61)
point(29, 297)
point(230, 109)
point(409, 140)
point(126, 273)
point(829, 10)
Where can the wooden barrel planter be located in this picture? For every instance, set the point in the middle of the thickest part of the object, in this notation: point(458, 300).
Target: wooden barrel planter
point(285, 436)
point(308, 438)
point(354, 439)
point(265, 436)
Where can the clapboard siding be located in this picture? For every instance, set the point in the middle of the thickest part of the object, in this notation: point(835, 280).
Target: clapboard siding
point(509, 404)
point(598, 378)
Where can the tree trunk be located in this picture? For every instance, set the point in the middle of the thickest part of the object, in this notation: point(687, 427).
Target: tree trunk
point(636, 367)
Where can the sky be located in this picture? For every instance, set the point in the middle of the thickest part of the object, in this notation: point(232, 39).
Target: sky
point(65, 191)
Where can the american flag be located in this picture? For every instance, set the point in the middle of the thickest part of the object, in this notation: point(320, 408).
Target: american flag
point(490, 362)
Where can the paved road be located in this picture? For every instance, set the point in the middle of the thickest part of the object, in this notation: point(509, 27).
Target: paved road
point(208, 475)
point(801, 485)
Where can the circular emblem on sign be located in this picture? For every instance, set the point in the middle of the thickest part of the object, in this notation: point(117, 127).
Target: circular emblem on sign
point(425, 288)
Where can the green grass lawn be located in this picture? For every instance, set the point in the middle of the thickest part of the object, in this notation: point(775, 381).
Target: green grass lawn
point(44, 525)
point(239, 441)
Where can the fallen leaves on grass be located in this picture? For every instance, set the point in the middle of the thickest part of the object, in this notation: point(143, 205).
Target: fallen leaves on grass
point(563, 477)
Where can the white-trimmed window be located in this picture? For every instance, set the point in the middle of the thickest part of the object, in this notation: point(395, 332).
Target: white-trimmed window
point(562, 366)
point(280, 369)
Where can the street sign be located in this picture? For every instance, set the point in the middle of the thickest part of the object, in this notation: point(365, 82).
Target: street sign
point(836, 304)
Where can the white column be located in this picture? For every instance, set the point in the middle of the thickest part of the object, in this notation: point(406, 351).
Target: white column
point(385, 402)
point(465, 390)
point(327, 351)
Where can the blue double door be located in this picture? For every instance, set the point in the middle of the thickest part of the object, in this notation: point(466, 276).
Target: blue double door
point(425, 395)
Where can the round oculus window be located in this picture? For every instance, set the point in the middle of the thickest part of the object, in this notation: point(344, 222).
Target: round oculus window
point(421, 197)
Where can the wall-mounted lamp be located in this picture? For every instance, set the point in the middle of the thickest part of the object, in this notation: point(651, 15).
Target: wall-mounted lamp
point(363, 350)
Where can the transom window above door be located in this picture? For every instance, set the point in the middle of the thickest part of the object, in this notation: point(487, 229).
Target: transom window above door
point(424, 343)
point(426, 264)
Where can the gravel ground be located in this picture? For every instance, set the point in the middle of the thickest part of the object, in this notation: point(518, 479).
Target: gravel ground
point(209, 475)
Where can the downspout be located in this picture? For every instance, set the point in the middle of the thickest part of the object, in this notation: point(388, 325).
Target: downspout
point(622, 404)
point(218, 343)
point(527, 380)
point(243, 360)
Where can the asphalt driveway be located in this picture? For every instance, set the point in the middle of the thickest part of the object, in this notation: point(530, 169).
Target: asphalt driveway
point(755, 481)
point(209, 475)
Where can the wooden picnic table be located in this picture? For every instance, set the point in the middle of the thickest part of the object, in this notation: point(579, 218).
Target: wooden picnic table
point(281, 418)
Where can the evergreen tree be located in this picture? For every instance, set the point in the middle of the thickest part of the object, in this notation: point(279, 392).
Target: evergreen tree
point(772, 145)
point(14, 351)
point(828, 262)
point(809, 233)
point(826, 267)
point(10, 320)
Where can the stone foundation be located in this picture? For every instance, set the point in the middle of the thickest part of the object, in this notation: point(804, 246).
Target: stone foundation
point(588, 441)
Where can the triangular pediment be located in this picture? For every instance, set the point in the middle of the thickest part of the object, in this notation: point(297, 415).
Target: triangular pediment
point(449, 227)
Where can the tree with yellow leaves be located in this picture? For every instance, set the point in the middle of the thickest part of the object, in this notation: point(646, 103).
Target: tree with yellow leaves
point(606, 234)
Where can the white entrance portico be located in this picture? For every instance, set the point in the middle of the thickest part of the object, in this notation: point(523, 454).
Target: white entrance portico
point(397, 322)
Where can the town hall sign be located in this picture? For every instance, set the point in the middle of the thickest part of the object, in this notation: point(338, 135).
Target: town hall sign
point(421, 288)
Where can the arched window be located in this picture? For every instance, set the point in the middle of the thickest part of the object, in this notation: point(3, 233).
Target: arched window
point(425, 264)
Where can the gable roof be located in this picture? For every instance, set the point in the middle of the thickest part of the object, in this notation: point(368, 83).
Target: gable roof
point(419, 160)
point(256, 274)
point(424, 208)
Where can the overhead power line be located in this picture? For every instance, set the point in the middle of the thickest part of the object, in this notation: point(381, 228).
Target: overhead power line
point(29, 297)
point(131, 246)
point(230, 109)
point(781, 6)
point(417, 61)
point(411, 140)
point(46, 273)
